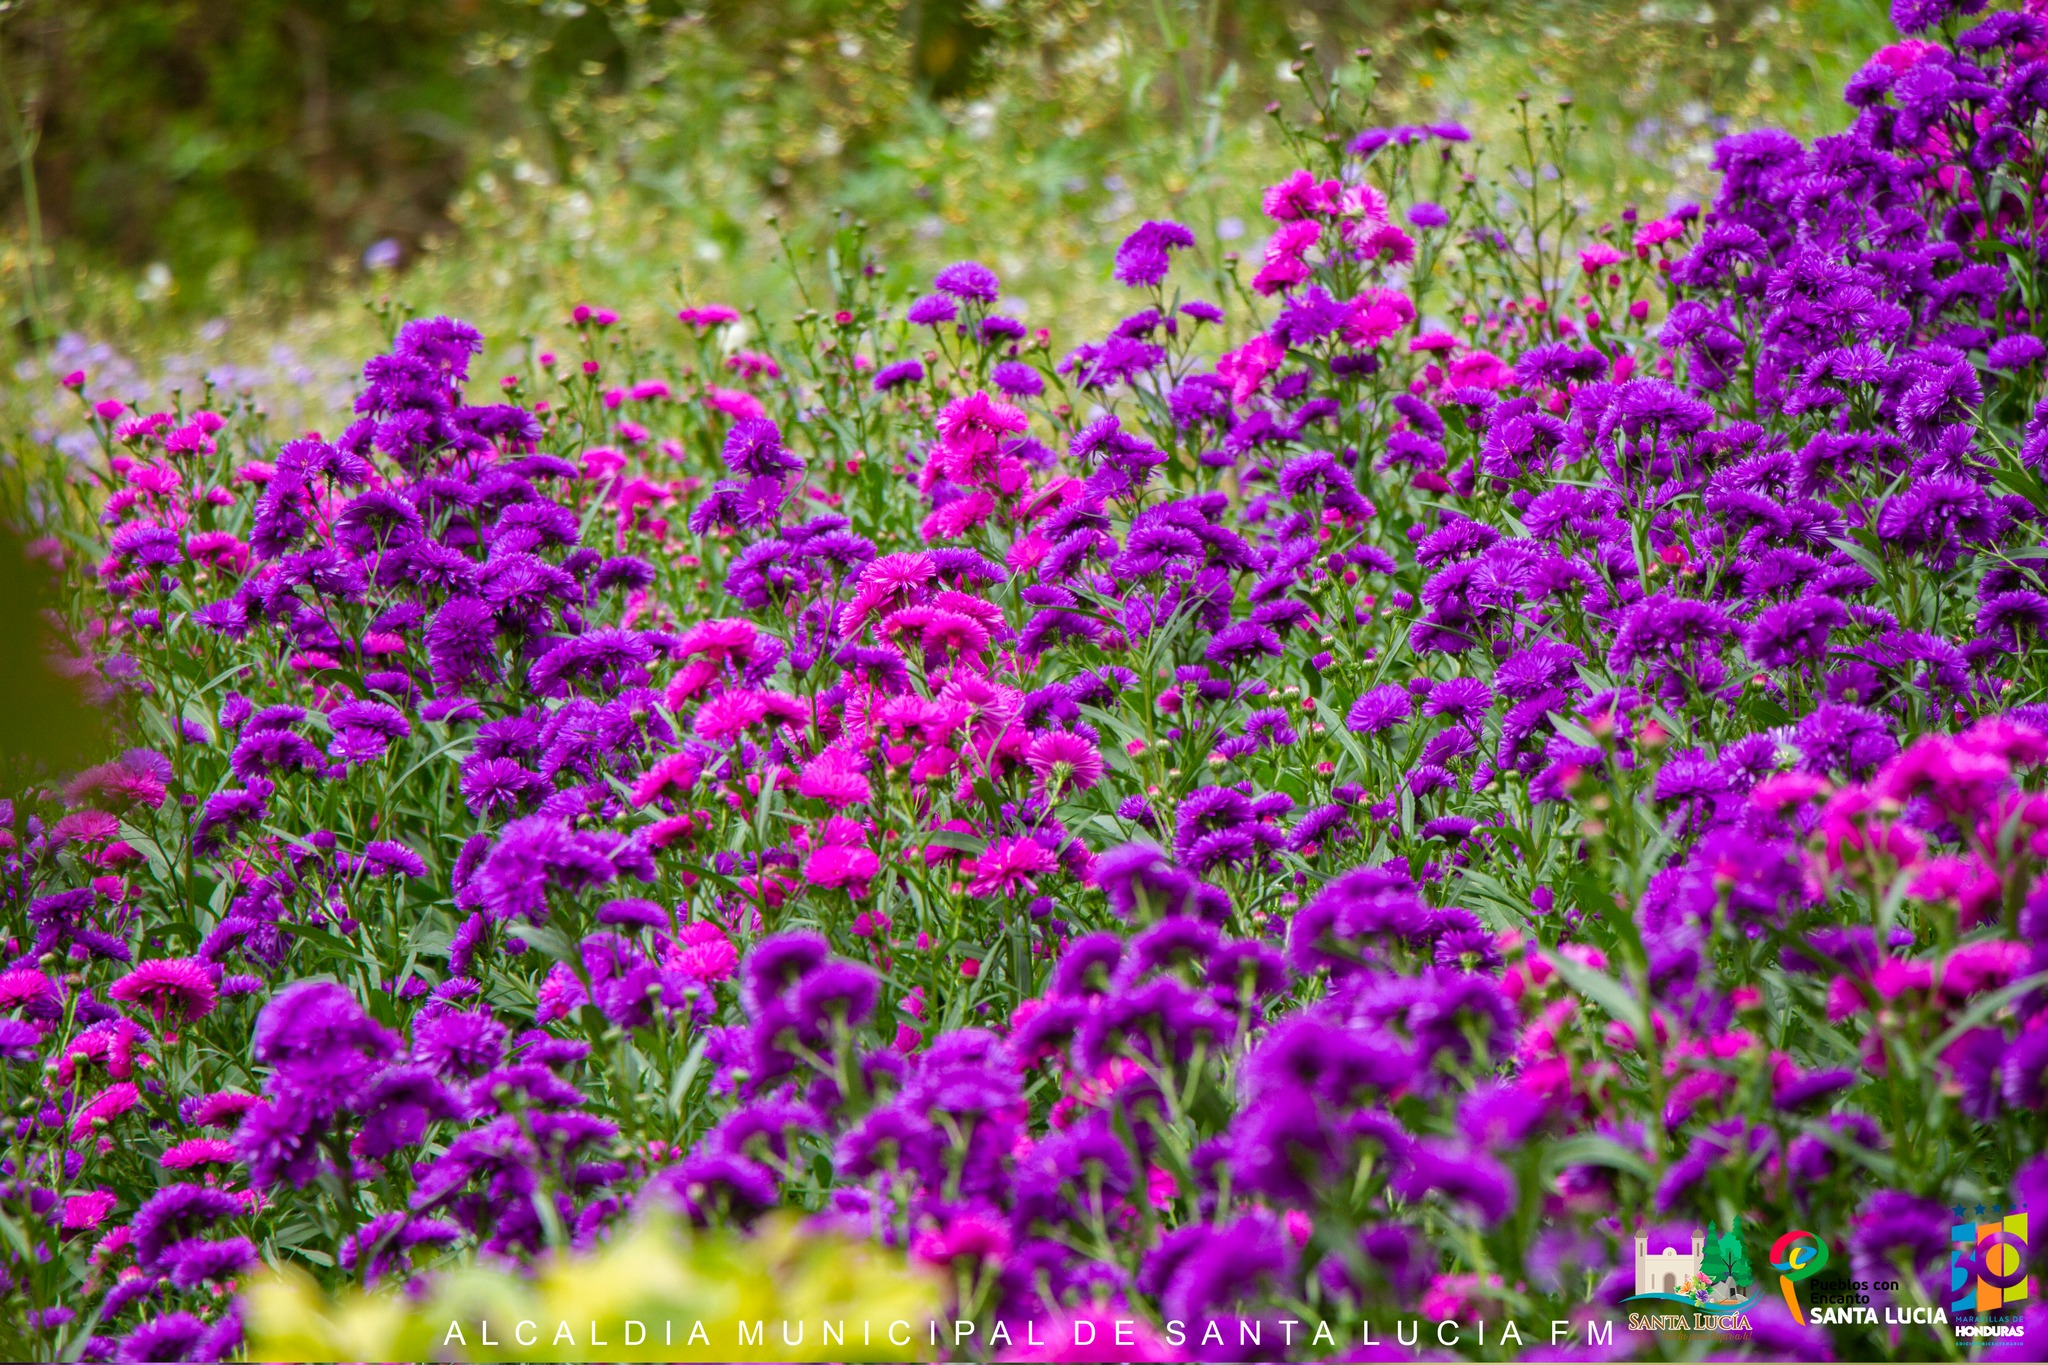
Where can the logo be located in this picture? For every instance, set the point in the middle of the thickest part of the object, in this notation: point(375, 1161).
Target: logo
point(1798, 1255)
point(1712, 1278)
point(1988, 1280)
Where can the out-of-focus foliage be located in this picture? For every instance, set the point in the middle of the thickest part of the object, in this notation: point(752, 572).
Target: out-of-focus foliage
point(219, 154)
point(664, 1278)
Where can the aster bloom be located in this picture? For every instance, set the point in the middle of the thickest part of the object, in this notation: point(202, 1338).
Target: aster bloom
point(969, 282)
point(754, 448)
point(1145, 255)
point(1063, 761)
point(178, 989)
point(1008, 867)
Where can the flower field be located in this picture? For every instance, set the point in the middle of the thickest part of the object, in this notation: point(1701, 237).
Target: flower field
point(1346, 802)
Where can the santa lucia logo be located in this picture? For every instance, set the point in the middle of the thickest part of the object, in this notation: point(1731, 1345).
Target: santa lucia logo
point(1798, 1255)
point(1712, 1277)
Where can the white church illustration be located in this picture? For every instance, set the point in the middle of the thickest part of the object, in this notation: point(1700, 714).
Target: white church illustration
point(1662, 1272)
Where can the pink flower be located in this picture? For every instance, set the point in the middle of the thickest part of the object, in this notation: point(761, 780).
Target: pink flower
point(2007, 739)
point(719, 640)
point(221, 1109)
point(1063, 762)
point(119, 785)
point(1385, 243)
point(111, 1044)
point(1895, 976)
point(1598, 257)
point(29, 989)
point(733, 403)
point(1849, 828)
point(702, 953)
point(729, 713)
point(86, 827)
point(1027, 552)
point(1964, 879)
point(831, 777)
point(891, 581)
point(222, 549)
point(1984, 966)
point(1781, 790)
point(842, 865)
point(1375, 315)
point(1956, 778)
point(110, 1103)
point(753, 364)
point(178, 988)
point(1362, 201)
point(1905, 53)
point(83, 1211)
point(1480, 370)
point(192, 1152)
point(969, 448)
point(959, 516)
point(1246, 367)
point(1007, 866)
point(671, 776)
point(710, 315)
point(973, 1234)
point(1299, 195)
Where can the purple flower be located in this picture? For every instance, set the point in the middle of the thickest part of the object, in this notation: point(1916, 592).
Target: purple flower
point(1834, 738)
point(1789, 632)
point(1896, 1231)
point(323, 1048)
point(714, 1187)
point(969, 282)
point(460, 643)
point(1378, 710)
point(1145, 255)
point(1017, 379)
point(1467, 1177)
point(195, 1262)
point(459, 1044)
point(754, 448)
point(539, 854)
point(2015, 352)
point(172, 1336)
point(398, 1108)
point(1350, 918)
point(2023, 1071)
point(173, 1214)
point(899, 374)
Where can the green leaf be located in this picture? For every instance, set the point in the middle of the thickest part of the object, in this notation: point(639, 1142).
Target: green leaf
point(152, 853)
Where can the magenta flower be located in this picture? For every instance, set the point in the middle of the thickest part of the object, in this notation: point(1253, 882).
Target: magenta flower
point(1063, 762)
point(180, 989)
point(833, 778)
point(1006, 867)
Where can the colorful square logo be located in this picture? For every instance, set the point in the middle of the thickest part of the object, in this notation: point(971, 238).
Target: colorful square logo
point(1988, 1265)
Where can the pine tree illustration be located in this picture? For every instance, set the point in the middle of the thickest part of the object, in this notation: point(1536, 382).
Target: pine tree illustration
point(1736, 1258)
point(1715, 1263)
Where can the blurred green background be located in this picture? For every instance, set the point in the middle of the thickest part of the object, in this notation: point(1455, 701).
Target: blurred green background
point(195, 181)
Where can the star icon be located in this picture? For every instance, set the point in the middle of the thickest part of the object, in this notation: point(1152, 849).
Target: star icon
point(1980, 1210)
point(1959, 1210)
